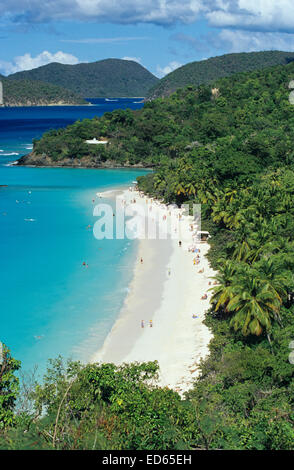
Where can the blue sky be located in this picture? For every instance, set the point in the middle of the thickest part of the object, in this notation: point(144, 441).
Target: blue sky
point(160, 34)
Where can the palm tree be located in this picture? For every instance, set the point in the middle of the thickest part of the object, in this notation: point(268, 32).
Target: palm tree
point(278, 245)
point(254, 304)
point(221, 213)
point(243, 250)
point(222, 292)
point(272, 273)
point(179, 188)
point(226, 210)
point(230, 195)
point(157, 180)
point(190, 189)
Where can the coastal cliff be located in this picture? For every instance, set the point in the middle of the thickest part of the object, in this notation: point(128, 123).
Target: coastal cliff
point(86, 161)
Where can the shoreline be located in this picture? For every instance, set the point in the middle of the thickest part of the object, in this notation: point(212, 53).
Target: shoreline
point(43, 105)
point(166, 289)
point(89, 167)
point(77, 167)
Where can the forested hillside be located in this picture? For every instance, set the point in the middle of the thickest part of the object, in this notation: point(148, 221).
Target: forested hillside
point(207, 71)
point(228, 147)
point(105, 78)
point(35, 93)
point(232, 128)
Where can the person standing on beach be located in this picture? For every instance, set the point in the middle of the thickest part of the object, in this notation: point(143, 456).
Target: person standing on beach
point(142, 323)
point(150, 323)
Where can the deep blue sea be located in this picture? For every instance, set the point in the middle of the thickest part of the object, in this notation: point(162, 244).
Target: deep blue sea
point(50, 304)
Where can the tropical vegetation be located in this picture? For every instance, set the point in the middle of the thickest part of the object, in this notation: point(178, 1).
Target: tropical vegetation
point(229, 147)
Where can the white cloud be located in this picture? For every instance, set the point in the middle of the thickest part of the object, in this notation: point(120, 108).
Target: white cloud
point(249, 41)
point(256, 15)
point(165, 12)
point(162, 71)
point(253, 15)
point(27, 62)
point(135, 59)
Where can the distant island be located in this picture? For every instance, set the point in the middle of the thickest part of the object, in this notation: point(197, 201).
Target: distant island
point(60, 84)
point(36, 93)
point(105, 78)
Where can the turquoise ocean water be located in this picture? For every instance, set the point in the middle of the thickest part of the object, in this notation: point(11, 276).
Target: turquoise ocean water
point(50, 304)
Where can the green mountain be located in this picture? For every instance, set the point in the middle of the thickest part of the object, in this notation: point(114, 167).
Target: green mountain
point(36, 93)
point(105, 78)
point(189, 119)
point(207, 71)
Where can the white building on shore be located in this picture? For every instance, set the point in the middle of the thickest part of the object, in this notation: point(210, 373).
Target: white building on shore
point(95, 141)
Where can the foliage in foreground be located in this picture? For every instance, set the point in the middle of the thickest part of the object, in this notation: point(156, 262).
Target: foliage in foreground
point(244, 400)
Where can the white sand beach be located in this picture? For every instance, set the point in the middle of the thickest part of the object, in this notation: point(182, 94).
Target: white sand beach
point(162, 315)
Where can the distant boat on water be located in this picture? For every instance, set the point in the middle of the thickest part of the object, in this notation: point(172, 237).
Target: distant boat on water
point(107, 99)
